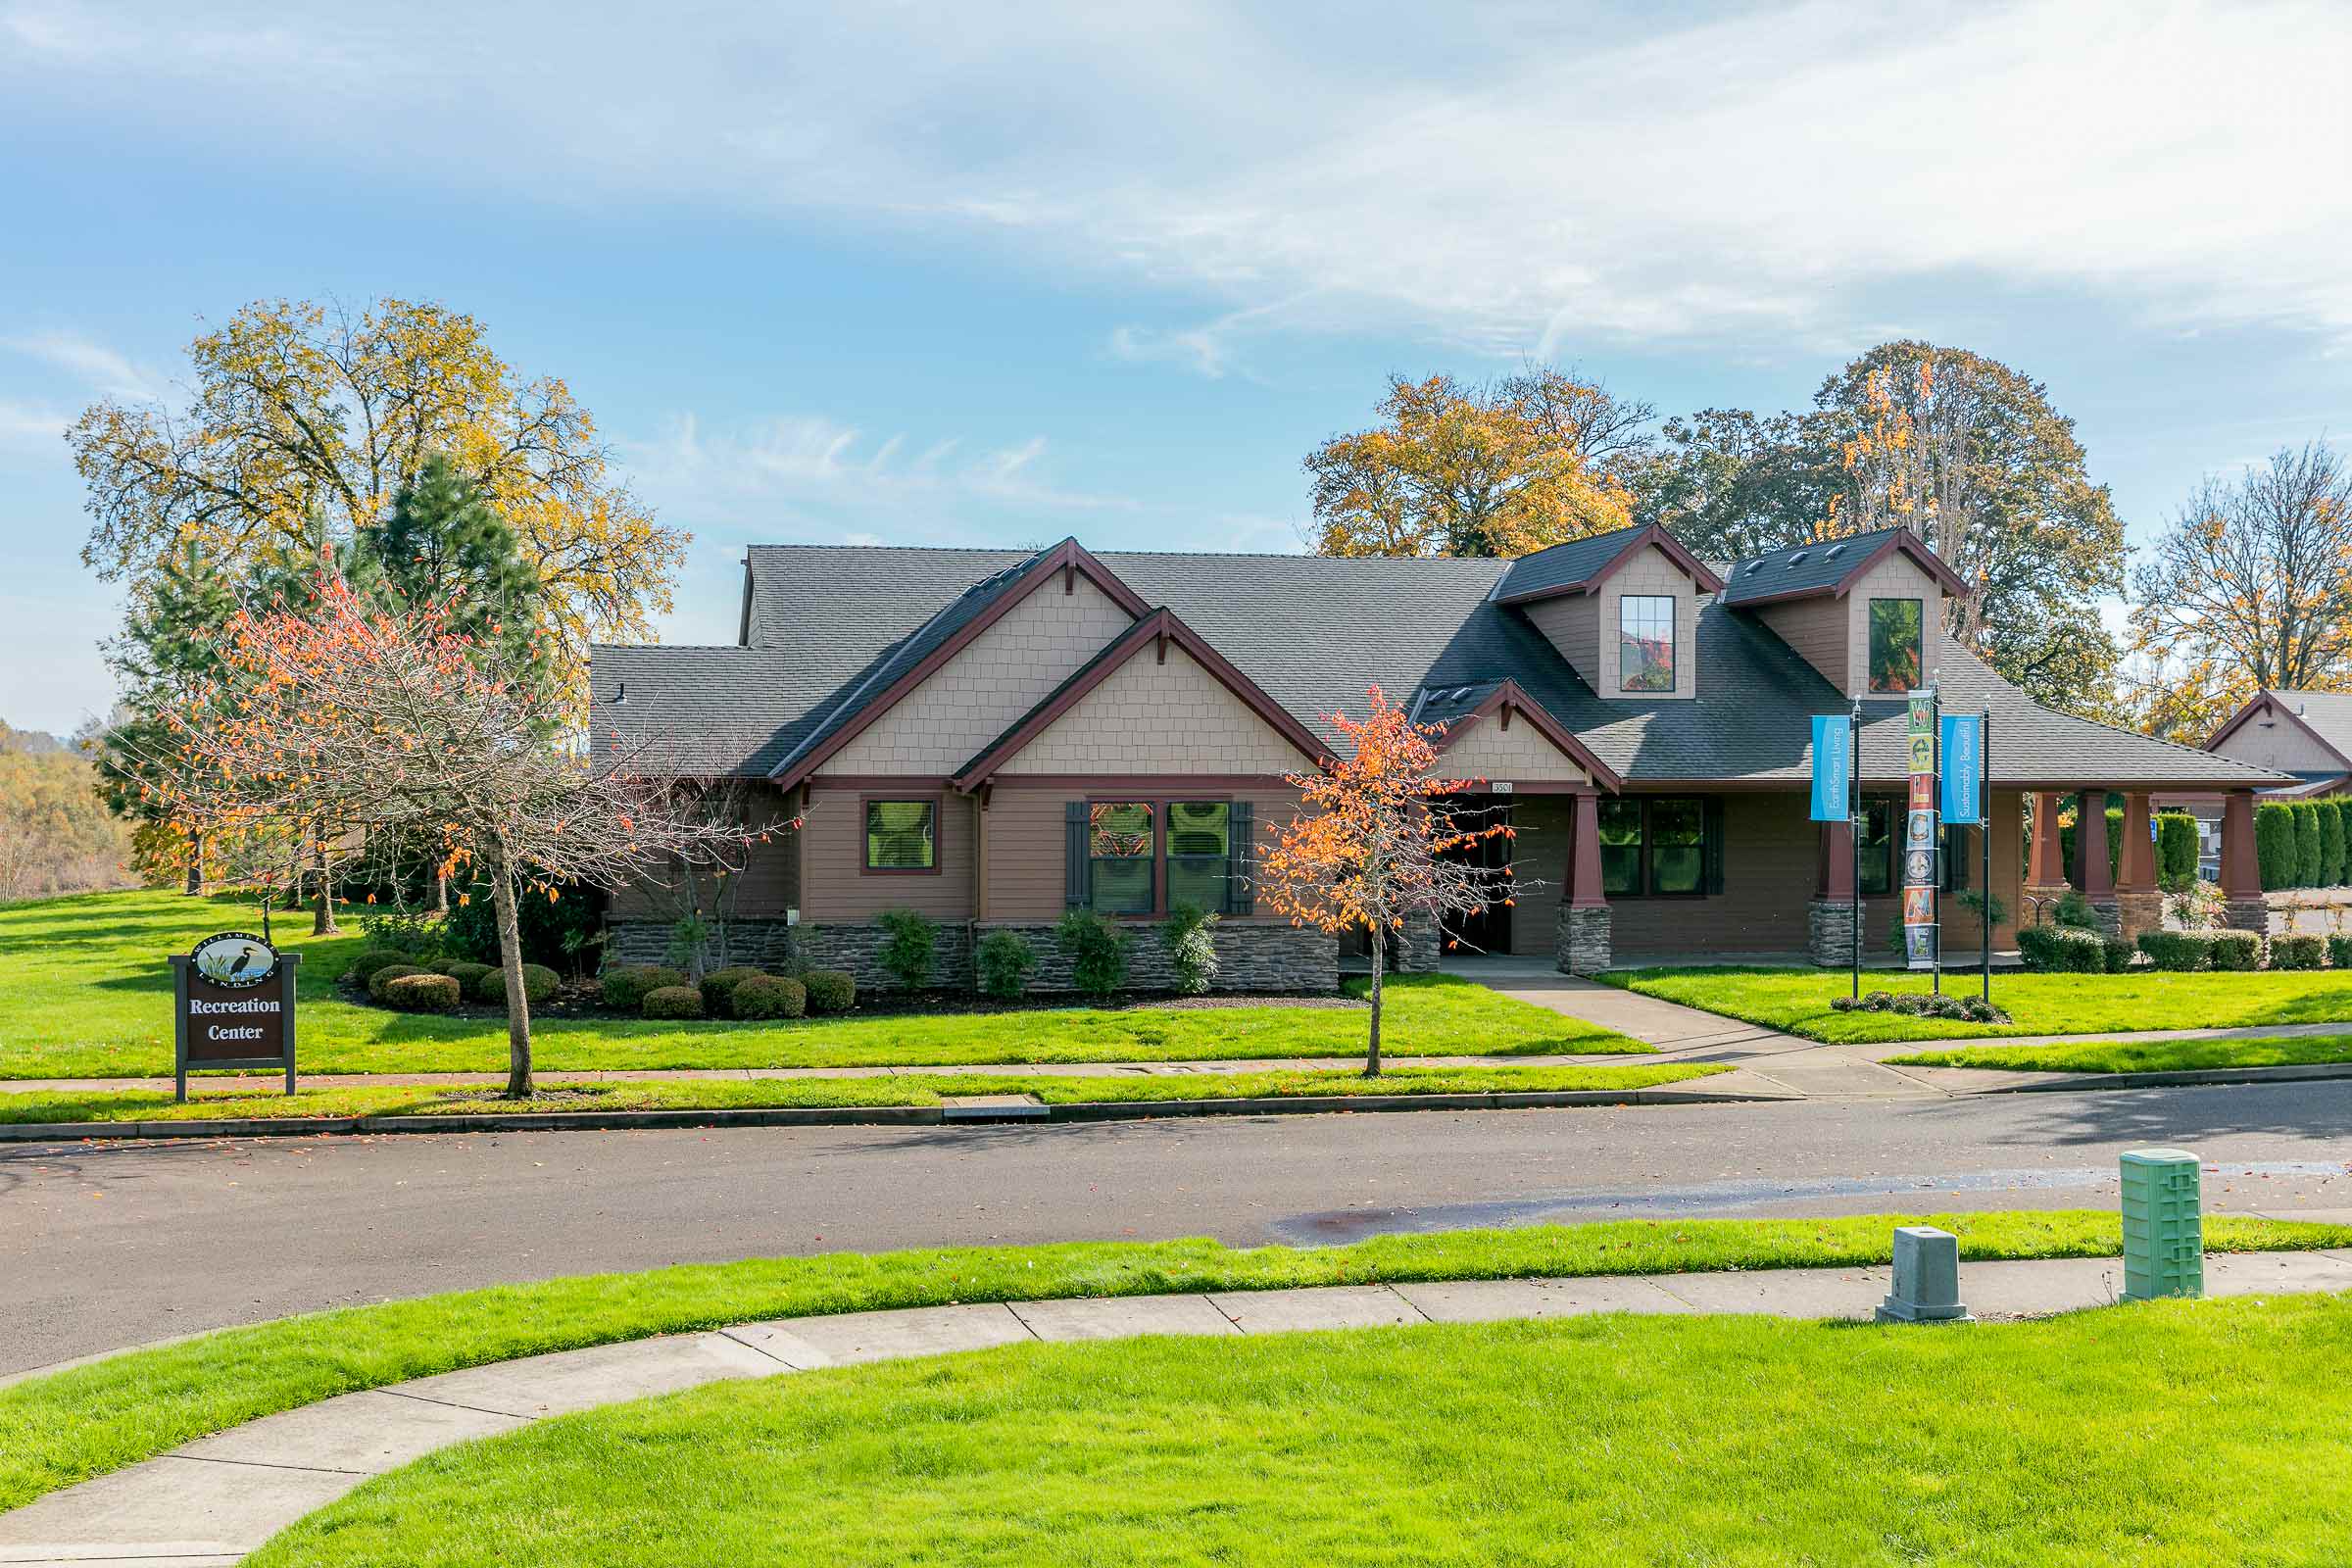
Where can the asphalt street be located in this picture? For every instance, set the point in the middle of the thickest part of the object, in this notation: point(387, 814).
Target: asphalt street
point(105, 1243)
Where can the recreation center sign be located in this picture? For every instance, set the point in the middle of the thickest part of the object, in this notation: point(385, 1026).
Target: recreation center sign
point(233, 1007)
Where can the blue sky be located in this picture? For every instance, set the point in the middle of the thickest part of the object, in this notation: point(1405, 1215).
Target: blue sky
point(988, 275)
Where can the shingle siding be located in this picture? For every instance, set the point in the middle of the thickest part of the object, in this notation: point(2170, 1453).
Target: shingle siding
point(1151, 717)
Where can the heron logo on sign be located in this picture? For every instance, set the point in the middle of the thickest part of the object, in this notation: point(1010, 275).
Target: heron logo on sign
point(234, 960)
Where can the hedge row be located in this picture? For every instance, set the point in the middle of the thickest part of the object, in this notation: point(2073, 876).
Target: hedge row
point(2304, 844)
point(2072, 950)
point(736, 992)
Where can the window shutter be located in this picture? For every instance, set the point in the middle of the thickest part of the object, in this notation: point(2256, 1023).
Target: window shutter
point(1714, 844)
point(1241, 853)
point(1073, 855)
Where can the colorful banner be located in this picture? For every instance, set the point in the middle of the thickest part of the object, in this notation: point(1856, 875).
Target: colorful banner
point(1833, 766)
point(1920, 833)
point(1963, 767)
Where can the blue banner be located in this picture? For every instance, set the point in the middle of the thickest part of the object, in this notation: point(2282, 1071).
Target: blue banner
point(1833, 766)
point(1963, 767)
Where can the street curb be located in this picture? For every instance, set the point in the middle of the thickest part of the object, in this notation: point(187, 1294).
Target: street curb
point(861, 1115)
point(2186, 1078)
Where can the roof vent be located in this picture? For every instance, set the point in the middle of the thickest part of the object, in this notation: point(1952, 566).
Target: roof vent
point(620, 692)
point(1460, 692)
point(1832, 552)
point(1754, 566)
point(1796, 560)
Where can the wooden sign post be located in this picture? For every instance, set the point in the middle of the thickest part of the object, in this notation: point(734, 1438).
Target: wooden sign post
point(233, 1007)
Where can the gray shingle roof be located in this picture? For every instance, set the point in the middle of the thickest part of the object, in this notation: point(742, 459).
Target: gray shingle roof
point(1314, 632)
point(1566, 565)
point(1801, 568)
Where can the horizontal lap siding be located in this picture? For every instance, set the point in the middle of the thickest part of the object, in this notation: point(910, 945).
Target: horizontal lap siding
point(1544, 825)
point(1770, 866)
point(1026, 845)
point(769, 883)
point(833, 857)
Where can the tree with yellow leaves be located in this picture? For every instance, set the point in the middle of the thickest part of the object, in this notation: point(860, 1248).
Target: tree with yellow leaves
point(2250, 587)
point(1498, 470)
point(303, 419)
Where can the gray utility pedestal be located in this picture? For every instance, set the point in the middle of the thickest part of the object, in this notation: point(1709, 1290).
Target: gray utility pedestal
point(1927, 1278)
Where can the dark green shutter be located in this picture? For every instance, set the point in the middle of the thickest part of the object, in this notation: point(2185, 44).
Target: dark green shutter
point(1073, 856)
point(1241, 853)
point(1713, 819)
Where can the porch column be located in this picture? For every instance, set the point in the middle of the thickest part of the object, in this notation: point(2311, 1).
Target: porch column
point(2045, 867)
point(2092, 875)
point(1830, 920)
point(2242, 872)
point(1585, 935)
point(2139, 905)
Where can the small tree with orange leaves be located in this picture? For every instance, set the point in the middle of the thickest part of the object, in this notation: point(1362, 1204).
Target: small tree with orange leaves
point(1378, 842)
point(337, 723)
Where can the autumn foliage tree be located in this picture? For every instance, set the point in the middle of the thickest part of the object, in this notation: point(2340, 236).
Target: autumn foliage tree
point(1378, 844)
point(339, 723)
point(1499, 469)
point(302, 417)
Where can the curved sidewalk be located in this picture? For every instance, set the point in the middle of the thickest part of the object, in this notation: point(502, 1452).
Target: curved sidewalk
point(221, 1496)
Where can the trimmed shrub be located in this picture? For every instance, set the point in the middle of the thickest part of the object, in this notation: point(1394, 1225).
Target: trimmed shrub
point(2296, 952)
point(363, 968)
point(907, 952)
point(768, 996)
point(1004, 961)
point(2339, 953)
point(2333, 866)
point(2274, 845)
point(673, 1001)
point(544, 925)
point(2120, 954)
point(718, 988)
point(464, 971)
point(2178, 952)
point(2062, 950)
point(2307, 844)
point(830, 990)
point(1190, 937)
point(2236, 951)
point(539, 983)
point(423, 992)
point(2074, 912)
point(379, 983)
point(2175, 849)
point(1097, 950)
point(625, 986)
point(1877, 1000)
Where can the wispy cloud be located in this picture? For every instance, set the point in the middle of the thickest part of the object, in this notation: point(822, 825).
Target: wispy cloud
point(93, 365)
point(29, 427)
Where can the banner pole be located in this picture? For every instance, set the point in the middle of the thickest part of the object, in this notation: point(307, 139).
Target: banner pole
point(1984, 816)
point(1853, 833)
point(1935, 843)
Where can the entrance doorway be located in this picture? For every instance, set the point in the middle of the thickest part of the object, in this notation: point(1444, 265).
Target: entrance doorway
point(1489, 929)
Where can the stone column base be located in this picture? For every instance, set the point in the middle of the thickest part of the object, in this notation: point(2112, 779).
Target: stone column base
point(1830, 932)
point(1586, 936)
point(1417, 947)
point(2109, 915)
point(2139, 911)
point(2247, 915)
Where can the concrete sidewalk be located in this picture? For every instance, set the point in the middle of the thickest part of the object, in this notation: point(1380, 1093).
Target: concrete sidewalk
point(221, 1496)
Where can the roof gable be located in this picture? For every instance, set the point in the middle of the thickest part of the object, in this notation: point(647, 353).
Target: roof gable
point(1463, 709)
point(2323, 716)
point(1582, 565)
point(1830, 566)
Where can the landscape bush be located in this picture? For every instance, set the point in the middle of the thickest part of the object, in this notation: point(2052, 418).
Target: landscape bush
point(425, 992)
point(768, 996)
point(2074, 911)
point(2297, 952)
point(1098, 952)
point(2178, 952)
point(539, 984)
point(2307, 844)
point(2339, 953)
point(2062, 950)
point(908, 951)
point(1191, 940)
point(1923, 1005)
point(2331, 842)
point(379, 982)
point(626, 985)
point(2175, 849)
point(2236, 951)
point(2274, 845)
point(673, 1001)
point(830, 990)
point(718, 988)
point(552, 930)
point(1004, 961)
point(2119, 953)
point(363, 968)
point(421, 937)
point(464, 971)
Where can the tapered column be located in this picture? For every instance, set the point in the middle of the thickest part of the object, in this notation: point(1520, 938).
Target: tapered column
point(2048, 869)
point(1585, 926)
point(2139, 907)
point(2242, 871)
point(2093, 874)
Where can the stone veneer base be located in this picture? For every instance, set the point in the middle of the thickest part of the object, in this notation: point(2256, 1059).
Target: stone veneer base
point(1830, 932)
point(1587, 938)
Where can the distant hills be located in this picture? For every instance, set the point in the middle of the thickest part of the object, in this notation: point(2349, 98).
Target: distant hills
point(29, 741)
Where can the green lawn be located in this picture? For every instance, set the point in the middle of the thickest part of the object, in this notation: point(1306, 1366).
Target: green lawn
point(701, 1094)
point(2143, 1055)
point(69, 1426)
point(85, 992)
point(2178, 1435)
point(1797, 1001)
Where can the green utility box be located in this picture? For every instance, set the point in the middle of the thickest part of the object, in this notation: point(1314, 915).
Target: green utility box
point(2164, 1230)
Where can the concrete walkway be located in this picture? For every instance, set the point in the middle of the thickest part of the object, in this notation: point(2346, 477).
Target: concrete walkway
point(221, 1496)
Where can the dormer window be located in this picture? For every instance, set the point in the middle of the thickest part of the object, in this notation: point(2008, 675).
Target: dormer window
point(1645, 643)
point(1896, 657)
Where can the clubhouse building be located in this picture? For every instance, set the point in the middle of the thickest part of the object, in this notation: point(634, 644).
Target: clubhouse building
point(993, 737)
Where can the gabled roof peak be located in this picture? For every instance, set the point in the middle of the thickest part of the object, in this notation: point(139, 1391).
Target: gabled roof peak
point(1582, 565)
point(1830, 566)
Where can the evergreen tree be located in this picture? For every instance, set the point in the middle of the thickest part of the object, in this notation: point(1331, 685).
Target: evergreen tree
point(445, 550)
